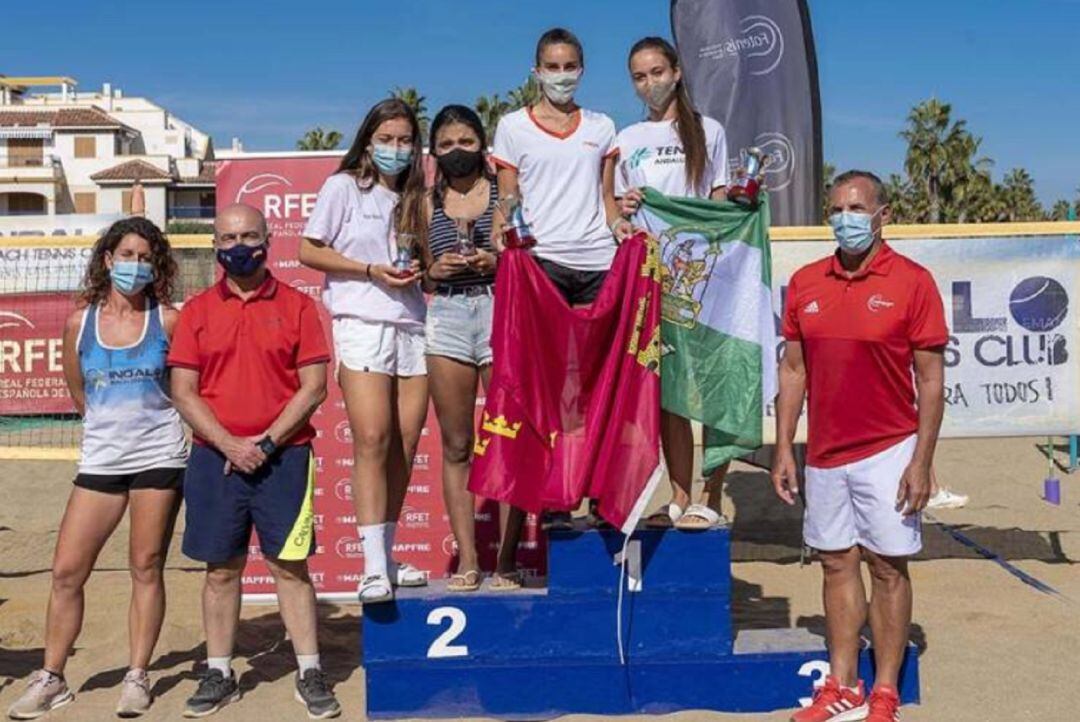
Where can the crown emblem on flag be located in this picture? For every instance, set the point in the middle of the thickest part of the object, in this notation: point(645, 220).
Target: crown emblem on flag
point(500, 427)
point(480, 447)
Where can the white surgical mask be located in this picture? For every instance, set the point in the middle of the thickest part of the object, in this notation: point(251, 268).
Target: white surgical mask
point(559, 87)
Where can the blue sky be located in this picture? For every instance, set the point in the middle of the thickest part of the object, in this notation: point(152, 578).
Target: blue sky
point(266, 71)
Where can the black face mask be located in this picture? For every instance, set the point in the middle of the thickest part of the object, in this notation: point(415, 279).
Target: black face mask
point(459, 162)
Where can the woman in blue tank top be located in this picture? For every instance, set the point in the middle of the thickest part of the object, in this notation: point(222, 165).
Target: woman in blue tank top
point(133, 453)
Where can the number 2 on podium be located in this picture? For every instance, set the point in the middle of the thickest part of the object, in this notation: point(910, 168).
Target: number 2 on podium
point(442, 648)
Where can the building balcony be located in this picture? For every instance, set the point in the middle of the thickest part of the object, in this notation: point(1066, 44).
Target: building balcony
point(30, 170)
point(188, 212)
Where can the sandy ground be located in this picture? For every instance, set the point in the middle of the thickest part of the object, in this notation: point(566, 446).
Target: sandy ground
point(992, 647)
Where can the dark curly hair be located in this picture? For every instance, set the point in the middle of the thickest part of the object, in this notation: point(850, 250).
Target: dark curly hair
point(97, 283)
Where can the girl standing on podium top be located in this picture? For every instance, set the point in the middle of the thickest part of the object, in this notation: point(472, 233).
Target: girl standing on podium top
point(678, 152)
point(554, 155)
point(369, 210)
point(460, 258)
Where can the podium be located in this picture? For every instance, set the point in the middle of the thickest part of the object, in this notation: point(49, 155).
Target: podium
point(547, 651)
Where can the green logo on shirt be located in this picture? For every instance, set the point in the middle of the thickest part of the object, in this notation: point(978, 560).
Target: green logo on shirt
point(638, 157)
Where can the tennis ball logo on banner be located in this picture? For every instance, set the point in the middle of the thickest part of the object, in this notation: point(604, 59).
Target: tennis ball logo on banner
point(275, 206)
point(1037, 306)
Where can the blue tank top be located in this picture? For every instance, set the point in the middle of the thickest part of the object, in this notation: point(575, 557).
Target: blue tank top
point(130, 424)
point(442, 238)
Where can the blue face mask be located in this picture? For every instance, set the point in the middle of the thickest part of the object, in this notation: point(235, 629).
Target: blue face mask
point(391, 160)
point(131, 277)
point(242, 260)
point(853, 231)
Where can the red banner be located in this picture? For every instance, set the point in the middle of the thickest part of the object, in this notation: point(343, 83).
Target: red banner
point(284, 188)
point(31, 343)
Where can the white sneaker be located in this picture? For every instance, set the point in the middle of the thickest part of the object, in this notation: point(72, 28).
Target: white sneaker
point(135, 695)
point(44, 692)
point(945, 499)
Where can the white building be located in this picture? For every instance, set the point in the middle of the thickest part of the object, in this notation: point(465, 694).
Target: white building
point(67, 152)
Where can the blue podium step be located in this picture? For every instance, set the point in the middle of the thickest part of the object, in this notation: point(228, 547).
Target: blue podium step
point(553, 650)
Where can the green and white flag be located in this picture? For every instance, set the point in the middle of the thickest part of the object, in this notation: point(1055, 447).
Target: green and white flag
point(718, 363)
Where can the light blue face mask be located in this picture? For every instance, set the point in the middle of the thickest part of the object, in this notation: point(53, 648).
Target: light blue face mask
point(131, 277)
point(853, 231)
point(391, 160)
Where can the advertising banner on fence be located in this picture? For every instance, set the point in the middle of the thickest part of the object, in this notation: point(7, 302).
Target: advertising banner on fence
point(284, 188)
point(31, 341)
point(1012, 364)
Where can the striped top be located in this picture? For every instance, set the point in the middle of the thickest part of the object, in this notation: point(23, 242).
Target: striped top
point(442, 238)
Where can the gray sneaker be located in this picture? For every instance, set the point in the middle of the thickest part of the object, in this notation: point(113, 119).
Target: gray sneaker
point(313, 691)
point(135, 695)
point(44, 692)
point(214, 692)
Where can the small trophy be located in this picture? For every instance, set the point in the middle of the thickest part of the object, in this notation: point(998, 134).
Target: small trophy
point(518, 234)
point(745, 189)
point(465, 245)
point(403, 259)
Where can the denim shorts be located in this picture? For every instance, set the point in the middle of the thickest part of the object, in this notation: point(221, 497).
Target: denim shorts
point(459, 327)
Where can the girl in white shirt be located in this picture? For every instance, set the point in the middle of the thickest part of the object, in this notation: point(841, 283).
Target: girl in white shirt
point(679, 152)
point(553, 156)
point(373, 202)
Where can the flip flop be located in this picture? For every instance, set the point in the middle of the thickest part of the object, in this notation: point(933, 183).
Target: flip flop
point(505, 582)
point(406, 575)
point(464, 581)
point(699, 517)
point(665, 517)
point(374, 589)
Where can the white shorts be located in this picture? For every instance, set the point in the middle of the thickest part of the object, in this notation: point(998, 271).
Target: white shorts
point(855, 504)
point(382, 348)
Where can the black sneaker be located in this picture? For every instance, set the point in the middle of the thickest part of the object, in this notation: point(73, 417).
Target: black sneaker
point(214, 692)
point(313, 691)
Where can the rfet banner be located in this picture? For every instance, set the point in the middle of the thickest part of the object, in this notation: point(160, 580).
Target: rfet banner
point(284, 188)
point(1012, 364)
point(31, 344)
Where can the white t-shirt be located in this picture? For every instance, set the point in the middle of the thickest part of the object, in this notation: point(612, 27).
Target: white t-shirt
point(560, 181)
point(651, 154)
point(358, 224)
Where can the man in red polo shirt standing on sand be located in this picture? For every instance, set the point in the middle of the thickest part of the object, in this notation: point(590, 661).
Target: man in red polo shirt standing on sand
point(865, 332)
point(248, 362)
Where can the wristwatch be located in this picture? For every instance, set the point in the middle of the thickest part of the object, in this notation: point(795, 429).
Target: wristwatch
point(266, 445)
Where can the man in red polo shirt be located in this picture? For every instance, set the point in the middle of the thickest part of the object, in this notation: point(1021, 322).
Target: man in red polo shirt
point(865, 332)
point(248, 361)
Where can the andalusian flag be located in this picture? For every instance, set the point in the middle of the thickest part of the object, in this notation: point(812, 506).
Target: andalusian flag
point(718, 363)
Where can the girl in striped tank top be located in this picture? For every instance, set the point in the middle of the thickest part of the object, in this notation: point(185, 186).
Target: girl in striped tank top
point(133, 453)
point(460, 256)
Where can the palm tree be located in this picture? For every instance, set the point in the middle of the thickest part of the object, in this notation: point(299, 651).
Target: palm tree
point(412, 98)
point(525, 95)
point(938, 154)
point(1060, 211)
point(1018, 193)
point(490, 109)
point(319, 139)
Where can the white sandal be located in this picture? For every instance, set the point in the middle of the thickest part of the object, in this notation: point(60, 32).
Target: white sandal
point(406, 575)
point(698, 517)
point(375, 588)
point(672, 512)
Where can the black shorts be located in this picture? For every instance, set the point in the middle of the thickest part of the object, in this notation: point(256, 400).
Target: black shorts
point(161, 478)
point(579, 288)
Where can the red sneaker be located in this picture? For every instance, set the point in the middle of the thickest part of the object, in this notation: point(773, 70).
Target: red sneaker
point(834, 703)
point(884, 705)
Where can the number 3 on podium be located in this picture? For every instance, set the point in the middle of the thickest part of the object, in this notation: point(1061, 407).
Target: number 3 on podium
point(442, 648)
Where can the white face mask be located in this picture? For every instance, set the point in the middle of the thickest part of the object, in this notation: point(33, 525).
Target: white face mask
point(559, 87)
